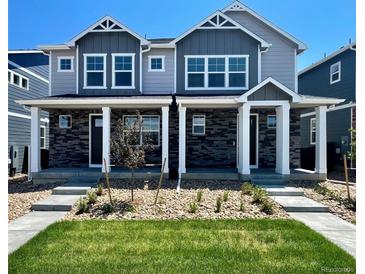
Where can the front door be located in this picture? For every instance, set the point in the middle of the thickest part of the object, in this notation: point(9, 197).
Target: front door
point(253, 140)
point(96, 142)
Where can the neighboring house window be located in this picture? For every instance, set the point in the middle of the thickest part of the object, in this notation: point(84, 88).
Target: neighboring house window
point(156, 63)
point(199, 124)
point(212, 72)
point(65, 64)
point(150, 131)
point(271, 121)
point(65, 121)
point(43, 137)
point(123, 70)
point(313, 131)
point(18, 80)
point(335, 73)
point(95, 71)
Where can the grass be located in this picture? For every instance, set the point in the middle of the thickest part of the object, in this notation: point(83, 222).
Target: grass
point(188, 246)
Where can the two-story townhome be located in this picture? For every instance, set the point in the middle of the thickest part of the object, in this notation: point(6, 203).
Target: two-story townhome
point(221, 98)
point(27, 79)
point(333, 76)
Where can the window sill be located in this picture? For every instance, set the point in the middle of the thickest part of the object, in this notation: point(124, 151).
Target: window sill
point(156, 70)
point(334, 82)
point(122, 87)
point(217, 88)
point(96, 87)
point(65, 71)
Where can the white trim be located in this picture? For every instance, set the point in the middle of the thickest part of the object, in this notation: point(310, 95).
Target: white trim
point(267, 121)
point(86, 71)
point(28, 71)
point(226, 72)
point(24, 51)
point(175, 70)
point(106, 138)
point(53, 47)
point(349, 105)
point(258, 64)
point(295, 71)
point(71, 58)
point(311, 131)
point(339, 72)
point(44, 137)
point(162, 46)
point(59, 121)
point(193, 124)
point(50, 73)
point(236, 26)
point(182, 140)
point(35, 139)
point(90, 141)
point(77, 69)
point(238, 6)
point(132, 86)
point(165, 137)
point(19, 115)
point(21, 78)
point(244, 97)
point(162, 57)
point(321, 140)
point(351, 47)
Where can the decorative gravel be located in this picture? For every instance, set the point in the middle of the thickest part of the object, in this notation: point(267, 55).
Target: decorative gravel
point(172, 205)
point(22, 194)
point(332, 195)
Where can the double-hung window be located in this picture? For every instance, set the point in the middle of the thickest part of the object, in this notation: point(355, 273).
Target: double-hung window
point(271, 121)
point(335, 73)
point(313, 131)
point(149, 133)
point(123, 70)
point(95, 71)
point(156, 63)
point(198, 124)
point(65, 64)
point(43, 137)
point(216, 72)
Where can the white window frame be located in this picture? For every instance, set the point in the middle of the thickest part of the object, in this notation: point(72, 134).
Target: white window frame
point(268, 125)
point(226, 72)
point(339, 72)
point(21, 77)
point(86, 71)
point(44, 137)
point(194, 124)
point(59, 58)
point(312, 131)
point(132, 86)
point(150, 57)
point(59, 120)
point(141, 136)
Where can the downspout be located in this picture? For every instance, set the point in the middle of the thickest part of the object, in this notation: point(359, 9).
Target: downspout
point(140, 65)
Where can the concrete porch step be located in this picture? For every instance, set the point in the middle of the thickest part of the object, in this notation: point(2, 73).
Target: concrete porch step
point(56, 203)
point(299, 204)
point(71, 190)
point(282, 190)
point(267, 181)
point(91, 181)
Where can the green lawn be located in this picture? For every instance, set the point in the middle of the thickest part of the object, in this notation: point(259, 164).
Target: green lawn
point(189, 246)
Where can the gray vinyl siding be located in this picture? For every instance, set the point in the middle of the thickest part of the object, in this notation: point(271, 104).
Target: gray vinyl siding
point(108, 42)
point(279, 61)
point(62, 82)
point(156, 82)
point(216, 42)
point(269, 92)
point(317, 80)
point(35, 62)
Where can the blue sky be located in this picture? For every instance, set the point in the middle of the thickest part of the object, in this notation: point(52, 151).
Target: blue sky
point(324, 25)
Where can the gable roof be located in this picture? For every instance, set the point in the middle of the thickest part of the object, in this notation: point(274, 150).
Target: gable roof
point(238, 6)
point(218, 20)
point(295, 96)
point(351, 46)
point(107, 23)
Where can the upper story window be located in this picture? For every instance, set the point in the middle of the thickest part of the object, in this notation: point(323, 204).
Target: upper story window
point(156, 63)
point(123, 70)
point(18, 80)
point(335, 73)
point(65, 64)
point(313, 131)
point(212, 72)
point(65, 121)
point(95, 71)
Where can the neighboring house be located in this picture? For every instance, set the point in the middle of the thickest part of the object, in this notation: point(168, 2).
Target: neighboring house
point(27, 79)
point(222, 96)
point(333, 76)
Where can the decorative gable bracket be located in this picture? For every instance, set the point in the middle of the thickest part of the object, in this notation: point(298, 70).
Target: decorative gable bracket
point(107, 25)
point(217, 21)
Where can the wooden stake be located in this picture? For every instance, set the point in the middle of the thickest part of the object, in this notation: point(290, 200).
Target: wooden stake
point(346, 176)
point(161, 178)
point(107, 181)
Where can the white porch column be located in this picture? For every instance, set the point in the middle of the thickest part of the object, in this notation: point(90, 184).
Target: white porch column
point(182, 139)
point(165, 137)
point(35, 150)
point(106, 137)
point(244, 138)
point(321, 140)
point(282, 139)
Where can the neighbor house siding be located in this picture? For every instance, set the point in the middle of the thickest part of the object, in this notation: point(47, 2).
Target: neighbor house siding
point(35, 62)
point(63, 82)
point(279, 61)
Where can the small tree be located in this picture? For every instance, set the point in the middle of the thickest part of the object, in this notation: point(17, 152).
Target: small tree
point(127, 150)
point(352, 153)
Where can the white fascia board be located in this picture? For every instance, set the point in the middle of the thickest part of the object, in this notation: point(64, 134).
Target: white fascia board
point(264, 44)
point(124, 28)
point(24, 51)
point(321, 101)
point(334, 108)
point(28, 71)
point(238, 6)
point(53, 47)
point(207, 102)
point(162, 46)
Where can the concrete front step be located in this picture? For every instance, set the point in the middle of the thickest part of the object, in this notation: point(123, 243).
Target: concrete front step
point(71, 190)
point(267, 181)
point(56, 203)
point(299, 204)
point(281, 190)
point(83, 181)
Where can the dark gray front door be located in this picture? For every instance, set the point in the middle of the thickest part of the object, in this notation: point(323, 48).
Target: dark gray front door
point(96, 139)
point(253, 140)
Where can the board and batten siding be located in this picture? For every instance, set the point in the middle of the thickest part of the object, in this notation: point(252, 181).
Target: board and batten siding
point(108, 43)
point(62, 82)
point(279, 61)
point(158, 82)
point(216, 42)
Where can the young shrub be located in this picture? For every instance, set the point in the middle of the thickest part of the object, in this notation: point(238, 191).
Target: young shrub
point(82, 206)
point(107, 208)
point(193, 207)
point(225, 196)
point(91, 197)
point(199, 196)
point(218, 205)
point(247, 188)
point(259, 195)
point(99, 191)
point(130, 208)
point(267, 206)
point(242, 207)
